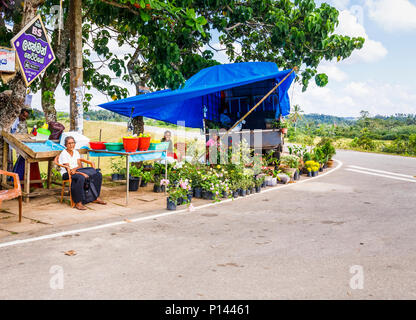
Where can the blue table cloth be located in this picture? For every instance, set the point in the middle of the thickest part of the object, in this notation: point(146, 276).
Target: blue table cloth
point(132, 157)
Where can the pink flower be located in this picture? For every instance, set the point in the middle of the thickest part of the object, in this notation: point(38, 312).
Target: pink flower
point(164, 182)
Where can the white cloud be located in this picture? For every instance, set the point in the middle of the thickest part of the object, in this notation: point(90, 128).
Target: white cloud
point(372, 50)
point(332, 71)
point(339, 4)
point(394, 15)
point(375, 97)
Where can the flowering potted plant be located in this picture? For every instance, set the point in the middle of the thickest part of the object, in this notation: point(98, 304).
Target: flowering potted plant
point(312, 167)
point(178, 193)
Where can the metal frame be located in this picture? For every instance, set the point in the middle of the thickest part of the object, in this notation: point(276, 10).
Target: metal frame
point(127, 154)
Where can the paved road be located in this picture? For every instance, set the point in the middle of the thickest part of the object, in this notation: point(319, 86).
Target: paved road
point(297, 242)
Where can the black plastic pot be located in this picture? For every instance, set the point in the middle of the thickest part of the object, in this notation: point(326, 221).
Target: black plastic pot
point(115, 177)
point(207, 195)
point(170, 205)
point(189, 197)
point(157, 188)
point(225, 194)
point(253, 190)
point(179, 201)
point(263, 185)
point(243, 193)
point(133, 183)
point(198, 192)
point(235, 194)
point(321, 169)
point(296, 175)
point(258, 189)
point(309, 173)
point(143, 184)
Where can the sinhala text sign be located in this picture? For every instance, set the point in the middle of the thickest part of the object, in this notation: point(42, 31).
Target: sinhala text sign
point(7, 60)
point(33, 49)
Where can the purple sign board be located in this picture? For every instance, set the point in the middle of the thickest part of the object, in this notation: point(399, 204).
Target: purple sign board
point(33, 50)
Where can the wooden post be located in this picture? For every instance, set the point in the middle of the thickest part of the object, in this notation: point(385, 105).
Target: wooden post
point(27, 180)
point(76, 67)
point(99, 157)
point(261, 101)
point(5, 158)
point(49, 173)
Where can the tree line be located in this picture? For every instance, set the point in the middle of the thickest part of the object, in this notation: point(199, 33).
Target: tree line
point(391, 134)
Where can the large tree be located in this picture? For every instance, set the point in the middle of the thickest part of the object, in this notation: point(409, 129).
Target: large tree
point(168, 37)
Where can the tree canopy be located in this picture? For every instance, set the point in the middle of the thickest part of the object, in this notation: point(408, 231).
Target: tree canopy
point(172, 40)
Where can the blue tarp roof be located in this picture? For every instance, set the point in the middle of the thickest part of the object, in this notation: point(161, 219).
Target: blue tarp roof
point(185, 104)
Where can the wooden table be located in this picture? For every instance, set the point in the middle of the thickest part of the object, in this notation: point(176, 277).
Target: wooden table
point(127, 155)
point(16, 141)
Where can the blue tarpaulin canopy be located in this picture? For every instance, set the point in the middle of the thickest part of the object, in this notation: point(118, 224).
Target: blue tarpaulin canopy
point(186, 104)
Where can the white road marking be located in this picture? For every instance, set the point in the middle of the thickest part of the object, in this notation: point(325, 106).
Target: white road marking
point(382, 171)
point(164, 214)
point(381, 175)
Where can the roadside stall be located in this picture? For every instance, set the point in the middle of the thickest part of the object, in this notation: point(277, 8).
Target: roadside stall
point(256, 92)
point(32, 151)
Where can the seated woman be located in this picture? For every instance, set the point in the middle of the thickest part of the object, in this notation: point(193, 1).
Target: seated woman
point(71, 161)
point(167, 138)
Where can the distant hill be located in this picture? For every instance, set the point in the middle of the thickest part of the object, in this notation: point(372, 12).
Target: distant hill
point(327, 119)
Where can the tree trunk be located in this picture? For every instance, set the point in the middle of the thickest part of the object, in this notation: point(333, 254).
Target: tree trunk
point(48, 108)
point(12, 101)
point(53, 76)
point(137, 122)
point(76, 68)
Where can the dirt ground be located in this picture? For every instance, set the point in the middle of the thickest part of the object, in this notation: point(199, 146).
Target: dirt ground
point(47, 211)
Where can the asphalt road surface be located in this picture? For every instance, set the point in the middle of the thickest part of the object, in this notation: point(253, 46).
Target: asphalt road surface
point(348, 235)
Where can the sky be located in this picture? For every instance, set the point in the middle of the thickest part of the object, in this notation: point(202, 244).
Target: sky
point(378, 78)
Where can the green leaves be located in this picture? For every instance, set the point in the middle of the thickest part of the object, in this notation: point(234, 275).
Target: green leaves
point(321, 80)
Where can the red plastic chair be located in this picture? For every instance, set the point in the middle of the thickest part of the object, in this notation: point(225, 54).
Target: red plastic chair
point(16, 192)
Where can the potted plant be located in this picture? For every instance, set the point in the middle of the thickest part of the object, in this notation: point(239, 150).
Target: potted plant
point(258, 182)
point(158, 186)
point(177, 194)
point(312, 167)
point(134, 178)
point(234, 189)
point(146, 177)
point(283, 126)
point(328, 150)
point(118, 169)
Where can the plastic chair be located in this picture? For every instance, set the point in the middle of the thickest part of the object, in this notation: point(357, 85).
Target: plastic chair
point(16, 192)
point(69, 180)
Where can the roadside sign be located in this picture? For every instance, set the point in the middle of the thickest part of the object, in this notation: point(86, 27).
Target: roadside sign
point(7, 60)
point(34, 52)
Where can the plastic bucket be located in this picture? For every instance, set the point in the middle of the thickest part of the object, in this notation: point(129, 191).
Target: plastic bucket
point(130, 144)
point(144, 143)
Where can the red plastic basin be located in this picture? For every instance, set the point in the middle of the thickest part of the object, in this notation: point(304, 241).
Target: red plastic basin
point(97, 145)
